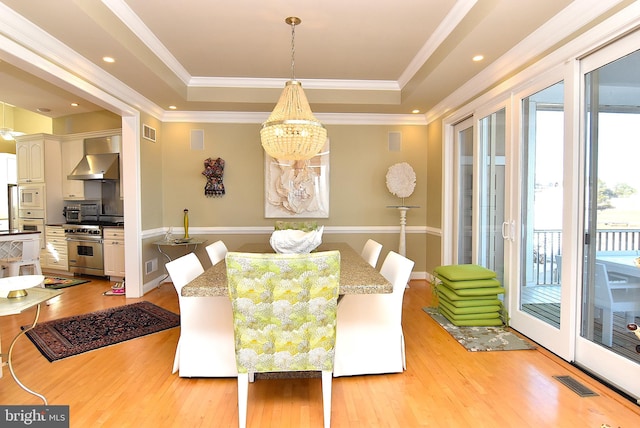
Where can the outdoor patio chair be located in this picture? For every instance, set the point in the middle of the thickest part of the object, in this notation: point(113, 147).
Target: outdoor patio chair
point(610, 300)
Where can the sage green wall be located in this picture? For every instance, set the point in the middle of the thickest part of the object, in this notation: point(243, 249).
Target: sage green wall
point(151, 172)
point(359, 161)
point(358, 165)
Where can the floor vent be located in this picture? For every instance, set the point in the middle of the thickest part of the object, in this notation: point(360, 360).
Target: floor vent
point(575, 386)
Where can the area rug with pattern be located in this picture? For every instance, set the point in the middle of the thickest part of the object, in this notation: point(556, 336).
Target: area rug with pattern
point(55, 282)
point(65, 337)
point(476, 339)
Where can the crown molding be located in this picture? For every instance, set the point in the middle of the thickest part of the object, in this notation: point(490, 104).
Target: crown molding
point(451, 21)
point(47, 57)
point(325, 118)
point(568, 21)
point(128, 17)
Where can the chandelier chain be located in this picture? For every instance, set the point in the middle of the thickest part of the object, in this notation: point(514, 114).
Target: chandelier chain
point(293, 50)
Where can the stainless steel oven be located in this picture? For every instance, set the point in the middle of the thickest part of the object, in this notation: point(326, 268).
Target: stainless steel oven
point(32, 225)
point(85, 248)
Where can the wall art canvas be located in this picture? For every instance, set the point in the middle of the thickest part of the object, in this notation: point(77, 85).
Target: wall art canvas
point(297, 189)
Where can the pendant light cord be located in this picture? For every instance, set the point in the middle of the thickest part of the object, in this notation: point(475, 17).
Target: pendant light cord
point(293, 50)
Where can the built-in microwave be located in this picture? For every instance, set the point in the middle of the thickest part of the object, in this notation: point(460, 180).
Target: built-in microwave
point(31, 197)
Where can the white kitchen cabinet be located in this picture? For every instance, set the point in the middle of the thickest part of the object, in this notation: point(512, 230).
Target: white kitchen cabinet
point(54, 255)
point(30, 160)
point(114, 251)
point(39, 161)
point(72, 153)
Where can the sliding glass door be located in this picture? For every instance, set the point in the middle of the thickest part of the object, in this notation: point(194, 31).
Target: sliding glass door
point(554, 207)
point(536, 303)
point(611, 245)
point(463, 182)
point(479, 180)
point(491, 191)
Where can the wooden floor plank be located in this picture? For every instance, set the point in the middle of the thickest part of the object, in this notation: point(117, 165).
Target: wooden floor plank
point(131, 384)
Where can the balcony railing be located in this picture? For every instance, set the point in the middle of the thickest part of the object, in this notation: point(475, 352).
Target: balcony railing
point(547, 245)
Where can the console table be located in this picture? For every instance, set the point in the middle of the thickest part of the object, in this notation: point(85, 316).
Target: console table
point(13, 306)
point(176, 243)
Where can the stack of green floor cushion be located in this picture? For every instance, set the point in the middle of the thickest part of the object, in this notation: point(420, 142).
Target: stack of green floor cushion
point(468, 295)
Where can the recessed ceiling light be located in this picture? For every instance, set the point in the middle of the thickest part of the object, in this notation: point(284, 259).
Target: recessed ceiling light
point(108, 59)
point(43, 110)
point(478, 58)
point(74, 104)
point(172, 107)
point(415, 111)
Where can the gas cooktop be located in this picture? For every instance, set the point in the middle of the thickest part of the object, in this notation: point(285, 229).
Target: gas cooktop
point(97, 223)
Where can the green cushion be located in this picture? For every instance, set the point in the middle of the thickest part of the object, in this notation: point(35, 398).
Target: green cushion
point(306, 226)
point(494, 322)
point(470, 283)
point(471, 312)
point(469, 303)
point(478, 322)
point(454, 296)
point(464, 272)
point(487, 291)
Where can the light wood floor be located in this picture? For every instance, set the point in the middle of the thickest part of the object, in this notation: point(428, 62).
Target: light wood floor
point(131, 384)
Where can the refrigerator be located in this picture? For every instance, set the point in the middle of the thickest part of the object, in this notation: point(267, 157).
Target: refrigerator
point(8, 207)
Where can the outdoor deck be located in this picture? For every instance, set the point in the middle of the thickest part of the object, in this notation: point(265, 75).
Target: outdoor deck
point(543, 302)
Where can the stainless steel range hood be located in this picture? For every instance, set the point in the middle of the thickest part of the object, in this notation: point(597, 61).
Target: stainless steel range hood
point(104, 166)
point(101, 160)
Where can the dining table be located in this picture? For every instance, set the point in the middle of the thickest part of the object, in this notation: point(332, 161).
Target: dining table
point(356, 275)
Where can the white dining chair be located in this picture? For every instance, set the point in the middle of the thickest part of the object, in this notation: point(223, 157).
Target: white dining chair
point(610, 300)
point(206, 347)
point(216, 251)
point(369, 338)
point(371, 251)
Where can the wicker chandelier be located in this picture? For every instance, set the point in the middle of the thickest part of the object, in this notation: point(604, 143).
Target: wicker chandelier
point(292, 132)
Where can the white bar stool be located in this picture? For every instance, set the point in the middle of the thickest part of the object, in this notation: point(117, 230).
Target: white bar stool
point(30, 257)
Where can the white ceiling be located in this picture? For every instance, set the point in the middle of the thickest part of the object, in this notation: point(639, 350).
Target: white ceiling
point(356, 56)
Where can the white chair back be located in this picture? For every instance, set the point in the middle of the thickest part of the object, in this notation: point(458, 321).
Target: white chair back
point(369, 334)
point(371, 252)
point(31, 250)
point(216, 252)
point(206, 346)
point(184, 269)
point(397, 270)
point(30, 256)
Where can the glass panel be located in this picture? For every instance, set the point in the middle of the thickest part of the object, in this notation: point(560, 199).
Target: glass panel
point(465, 202)
point(611, 279)
point(542, 203)
point(491, 188)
